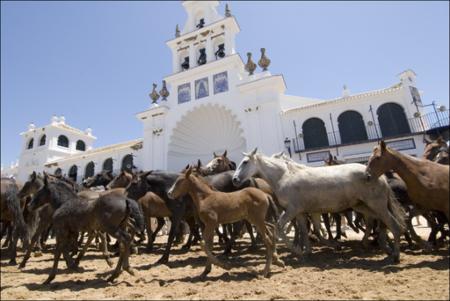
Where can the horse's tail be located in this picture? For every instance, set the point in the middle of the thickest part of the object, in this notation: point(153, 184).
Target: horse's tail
point(396, 209)
point(13, 205)
point(273, 208)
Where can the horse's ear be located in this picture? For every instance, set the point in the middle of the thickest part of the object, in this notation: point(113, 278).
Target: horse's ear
point(382, 146)
point(186, 168)
point(214, 154)
point(33, 176)
point(224, 154)
point(254, 151)
point(188, 172)
point(199, 163)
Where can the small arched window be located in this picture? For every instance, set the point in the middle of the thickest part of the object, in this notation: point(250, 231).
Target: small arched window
point(30, 143)
point(351, 127)
point(392, 120)
point(42, 140)
point(89, 170)
point(127, 163)
point(63, 141)
point(81, 146)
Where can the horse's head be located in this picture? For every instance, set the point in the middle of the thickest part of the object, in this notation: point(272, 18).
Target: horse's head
point(246, 169)
point(41, 196)
point(379, 162)
point(181, 185)
point(138, 185)
point(219, 163)
point(30, 187)
point(433, 148)
point(120, 181)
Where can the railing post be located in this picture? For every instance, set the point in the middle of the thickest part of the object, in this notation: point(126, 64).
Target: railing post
point(374, 123)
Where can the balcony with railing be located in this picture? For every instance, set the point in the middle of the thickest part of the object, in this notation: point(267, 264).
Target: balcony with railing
point(434, 121)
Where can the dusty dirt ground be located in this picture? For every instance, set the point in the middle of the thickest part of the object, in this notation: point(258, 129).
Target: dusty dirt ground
point(350, 273)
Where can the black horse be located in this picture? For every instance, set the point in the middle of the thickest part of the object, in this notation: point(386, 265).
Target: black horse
point(11, 211)
point(110, 213)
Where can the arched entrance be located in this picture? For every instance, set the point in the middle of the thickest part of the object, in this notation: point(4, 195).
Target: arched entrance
point(199, 133)
point(392, 120)
point(351, 127)
point(73, 173)
point(314, 133)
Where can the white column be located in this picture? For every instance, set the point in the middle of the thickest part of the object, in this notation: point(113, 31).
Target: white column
point(229, 43)
point(209, 50)
point(192, 56)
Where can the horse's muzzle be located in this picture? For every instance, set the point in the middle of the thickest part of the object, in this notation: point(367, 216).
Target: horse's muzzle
point(236, 181)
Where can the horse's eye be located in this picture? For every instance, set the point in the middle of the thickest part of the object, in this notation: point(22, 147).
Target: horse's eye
point(245, 162)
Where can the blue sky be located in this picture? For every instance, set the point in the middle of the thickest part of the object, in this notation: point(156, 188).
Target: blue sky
point(95, 62)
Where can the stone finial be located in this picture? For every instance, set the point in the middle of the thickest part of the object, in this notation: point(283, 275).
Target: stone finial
point(154, 95)
point(177, 31)
point(88, 131)
point(164, 92)
point(31, 126)
point(54, 119)
point(227, 11)
point(264, 61)
point(62, 119)
point(250, 66)
point(345, 91)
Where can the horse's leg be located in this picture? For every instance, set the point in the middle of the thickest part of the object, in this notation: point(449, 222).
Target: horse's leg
point(174, 227)
point(104, 248)
point(35, 238)
point(387, 218)
point(262, 231)
point(208, 236)
point(91, 235)
point(192, 228)
point(8, 229)
point(302, 219)
point(316, 228)
point(285, 217)
point(253, 239)
point(148, 226)
point(57, 255)
point(349, 216)
point(339, 233)
point(326, 221)
point(13, 246)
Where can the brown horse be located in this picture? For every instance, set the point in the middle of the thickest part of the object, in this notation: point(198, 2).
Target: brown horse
point(215, 207)
point(427, 182)
point(219, 163)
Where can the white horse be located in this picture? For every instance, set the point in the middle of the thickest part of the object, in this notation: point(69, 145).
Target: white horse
point(302, 189)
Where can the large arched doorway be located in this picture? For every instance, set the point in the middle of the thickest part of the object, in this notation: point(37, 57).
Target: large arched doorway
point(199, 133)
point(73, 171)
point(351, 127)
point(314, 133)
point(392, 120)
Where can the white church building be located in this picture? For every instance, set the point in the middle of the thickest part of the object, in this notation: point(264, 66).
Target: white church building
point(216, 100)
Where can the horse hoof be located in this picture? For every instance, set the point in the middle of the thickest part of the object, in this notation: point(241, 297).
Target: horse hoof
point(109, 262)
point(131, 271)
point(22, 265)
point(49, 279)
point(12, 262)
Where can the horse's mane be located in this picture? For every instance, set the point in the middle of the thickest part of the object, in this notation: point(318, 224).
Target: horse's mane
point(203, 180)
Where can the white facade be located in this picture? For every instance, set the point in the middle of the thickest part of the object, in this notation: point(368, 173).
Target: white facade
point(215, 105)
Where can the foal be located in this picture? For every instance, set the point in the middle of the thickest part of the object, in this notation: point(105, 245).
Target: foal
point(215, 207)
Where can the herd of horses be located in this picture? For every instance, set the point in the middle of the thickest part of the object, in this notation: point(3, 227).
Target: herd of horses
point(261, 193)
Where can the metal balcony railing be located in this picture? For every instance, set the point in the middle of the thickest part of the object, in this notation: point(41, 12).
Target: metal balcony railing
point(417, 125)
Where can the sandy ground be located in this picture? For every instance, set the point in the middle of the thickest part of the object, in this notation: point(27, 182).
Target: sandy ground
point(350, 273)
